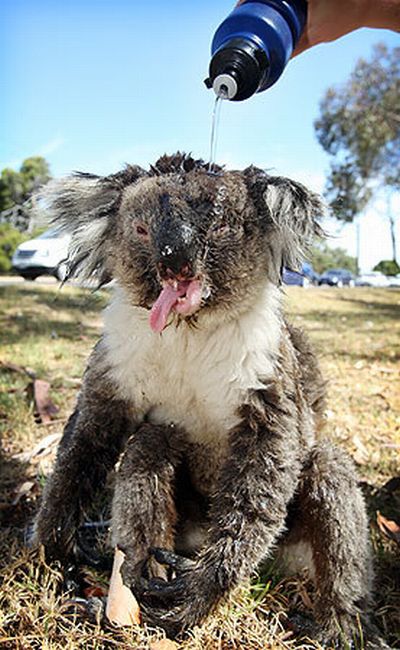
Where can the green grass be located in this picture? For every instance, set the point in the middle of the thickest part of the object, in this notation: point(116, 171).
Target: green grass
point(50, 333)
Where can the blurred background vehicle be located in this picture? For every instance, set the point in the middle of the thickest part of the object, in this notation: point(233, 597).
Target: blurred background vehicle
point(372, 279)
point(294, 278)
point(44, 255)
point(337, 278)
point(394, 280)
point(304, 278)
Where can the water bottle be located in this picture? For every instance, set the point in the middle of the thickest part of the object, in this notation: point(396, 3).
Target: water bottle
point(252, 46)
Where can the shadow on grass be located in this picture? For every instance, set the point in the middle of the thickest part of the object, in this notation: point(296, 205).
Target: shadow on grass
point(386, 500)
point(369, 355)
point(344, 318)
point(30, 325)
point(386, 310)
point(83, 300)
point(15, 513)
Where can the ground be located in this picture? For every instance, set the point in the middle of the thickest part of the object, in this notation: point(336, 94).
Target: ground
point(47, 333)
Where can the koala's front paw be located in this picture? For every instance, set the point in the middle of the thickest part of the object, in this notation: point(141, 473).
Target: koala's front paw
point(179, 602)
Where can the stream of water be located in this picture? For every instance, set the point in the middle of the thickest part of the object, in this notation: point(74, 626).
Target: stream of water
point(214, 130)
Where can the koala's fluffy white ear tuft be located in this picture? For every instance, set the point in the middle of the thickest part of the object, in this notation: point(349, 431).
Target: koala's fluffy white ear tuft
point(292, 209)
point(86, 206)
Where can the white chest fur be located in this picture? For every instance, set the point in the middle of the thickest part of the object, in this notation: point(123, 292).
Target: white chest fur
point(193, 377)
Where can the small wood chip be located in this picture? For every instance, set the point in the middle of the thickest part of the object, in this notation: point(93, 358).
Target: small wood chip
point(163, 644)
point(388, 527)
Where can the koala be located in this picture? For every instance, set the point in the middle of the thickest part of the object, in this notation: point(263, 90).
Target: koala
point(208, 401)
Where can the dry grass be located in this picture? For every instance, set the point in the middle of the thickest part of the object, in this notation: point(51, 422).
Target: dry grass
point(357, 335)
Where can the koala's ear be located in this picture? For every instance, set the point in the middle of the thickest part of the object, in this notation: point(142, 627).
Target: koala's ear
point(86, 206)
point(291, 209)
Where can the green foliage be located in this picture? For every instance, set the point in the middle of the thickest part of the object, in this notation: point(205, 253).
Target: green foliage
point(11, 189)
point(359, 126)
point(388, 267)
point(348, 194)
point(17, 187)
point(323, 257)
point(35, 172)
point(10, 238)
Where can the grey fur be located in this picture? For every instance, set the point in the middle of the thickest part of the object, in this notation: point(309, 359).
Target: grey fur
point(272, 480)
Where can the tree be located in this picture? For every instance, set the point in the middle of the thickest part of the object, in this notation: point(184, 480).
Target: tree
point(388, 267)
point(322, 257)
point(10, 238)
point(17, 188)
point(359, 127)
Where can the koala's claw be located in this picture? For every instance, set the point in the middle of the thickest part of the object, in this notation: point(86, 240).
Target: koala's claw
point(161, 589)
point(71, 579)
point(169, 558)
point(169, 589)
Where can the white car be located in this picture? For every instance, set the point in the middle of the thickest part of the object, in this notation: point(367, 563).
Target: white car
point(372, 279)
point(45, 255)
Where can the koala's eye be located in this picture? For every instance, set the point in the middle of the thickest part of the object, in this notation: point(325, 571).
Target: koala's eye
point(142, 231)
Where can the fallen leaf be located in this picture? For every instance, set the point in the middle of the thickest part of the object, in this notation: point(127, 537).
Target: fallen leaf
point(45, 408)
point(122, 608)
point(13, 367)
point(388, 527)
point(94, 591)
point(22, 491)
point(44, 447)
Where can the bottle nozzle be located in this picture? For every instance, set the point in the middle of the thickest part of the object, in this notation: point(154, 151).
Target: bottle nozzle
point(225, 86)
point(237, 69)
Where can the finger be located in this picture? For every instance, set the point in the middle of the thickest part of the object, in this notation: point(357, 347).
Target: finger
point(158, 588)
point(171, 620)
point(178, 562)
point(302, 45)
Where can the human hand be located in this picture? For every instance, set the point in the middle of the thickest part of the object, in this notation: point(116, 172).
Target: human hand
point(328, 20)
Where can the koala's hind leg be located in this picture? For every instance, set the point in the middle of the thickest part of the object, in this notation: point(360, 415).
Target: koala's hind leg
point(331, 516)
point(143, 510)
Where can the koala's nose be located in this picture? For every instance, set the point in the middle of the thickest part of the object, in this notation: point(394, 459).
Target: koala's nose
point(175, 265)
point(176, 249)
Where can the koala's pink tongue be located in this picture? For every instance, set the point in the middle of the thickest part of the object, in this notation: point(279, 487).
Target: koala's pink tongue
point(162, 308)
point(168, 300)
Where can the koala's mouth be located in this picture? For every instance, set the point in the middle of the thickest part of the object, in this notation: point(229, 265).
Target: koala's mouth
point(181, 297)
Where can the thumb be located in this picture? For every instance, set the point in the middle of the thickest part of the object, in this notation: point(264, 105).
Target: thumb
point(302, 45)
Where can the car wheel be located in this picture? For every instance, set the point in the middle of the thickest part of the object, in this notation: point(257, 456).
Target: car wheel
point(352, 284)
point(30, 278)
point(339, 284)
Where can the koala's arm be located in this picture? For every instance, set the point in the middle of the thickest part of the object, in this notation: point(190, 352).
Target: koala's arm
point(89, 448)
point(258, 479)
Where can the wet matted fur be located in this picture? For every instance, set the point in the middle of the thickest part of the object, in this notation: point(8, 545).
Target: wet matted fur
point(211, 401)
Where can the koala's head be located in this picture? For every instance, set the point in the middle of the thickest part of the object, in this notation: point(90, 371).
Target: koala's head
point(181, 240)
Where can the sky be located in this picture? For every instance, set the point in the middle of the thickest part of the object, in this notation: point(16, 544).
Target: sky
point(94, 84)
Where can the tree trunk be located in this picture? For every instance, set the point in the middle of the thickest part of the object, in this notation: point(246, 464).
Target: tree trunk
point(392, 225)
